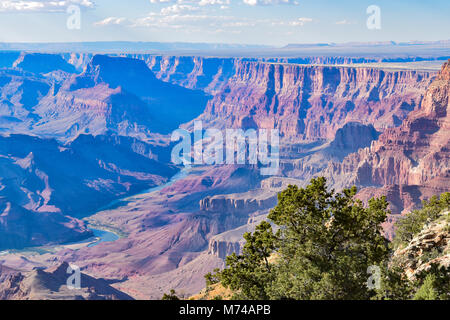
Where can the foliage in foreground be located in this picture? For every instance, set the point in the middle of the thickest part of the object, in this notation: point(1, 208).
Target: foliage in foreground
point(323, 246)
point(172, 295)
point(414, 222)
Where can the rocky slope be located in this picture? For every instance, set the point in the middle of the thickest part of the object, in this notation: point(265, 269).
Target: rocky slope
point(20, 92)
point(202, 73)
point(20, 227)
point(410, 162)
point(43, 183)
point(430, 247)
point(120, 95)
point(51, 285)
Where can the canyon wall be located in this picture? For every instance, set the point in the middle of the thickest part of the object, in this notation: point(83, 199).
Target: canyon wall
point(303, 101)
point(239, 203)
point(312, 102)
point(408, 163)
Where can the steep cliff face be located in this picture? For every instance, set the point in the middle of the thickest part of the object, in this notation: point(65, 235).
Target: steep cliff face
point(223, 248)
point(211, 74)
point(303, 101)
point(412, 160)
point(207, 74)
point(232, 241)
point(312, 102)
point(239, 203)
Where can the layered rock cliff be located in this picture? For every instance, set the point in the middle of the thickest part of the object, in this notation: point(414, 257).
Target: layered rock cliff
point(412, 161)
point(312, 102)
point(303, 101)
point(202, 73)
point(239, 203)
point(232, 241)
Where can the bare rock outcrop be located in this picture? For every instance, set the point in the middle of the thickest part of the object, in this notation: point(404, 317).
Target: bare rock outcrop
point(232, 241)
point(430, 246)
point(240, 203)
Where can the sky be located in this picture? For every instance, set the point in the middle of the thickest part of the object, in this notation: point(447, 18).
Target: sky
point(270, 22)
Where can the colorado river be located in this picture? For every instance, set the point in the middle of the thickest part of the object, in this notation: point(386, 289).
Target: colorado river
point(108, 236)
point(103, 236)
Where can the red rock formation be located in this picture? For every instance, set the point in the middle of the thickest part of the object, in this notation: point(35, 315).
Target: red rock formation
point(408, 163)
point(312, 102)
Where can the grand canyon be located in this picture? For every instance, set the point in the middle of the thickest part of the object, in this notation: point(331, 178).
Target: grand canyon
point(87, 179)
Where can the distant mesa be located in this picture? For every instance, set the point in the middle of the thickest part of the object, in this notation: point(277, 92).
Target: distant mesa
point(41, 63)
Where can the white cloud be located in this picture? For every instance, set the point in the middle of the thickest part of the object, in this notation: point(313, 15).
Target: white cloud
point(183, 15)
point(41, 6)
point(269, 2)
point(176, 20)
point(235, 24)
point(171, 18)
point(193, 16)
point(178, 8)
point(213, 2)
point(227, 2)
point(300, 22)
point(110, 21)
point(344, 22)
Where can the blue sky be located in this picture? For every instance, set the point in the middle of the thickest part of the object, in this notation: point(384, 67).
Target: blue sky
point(273, 22)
